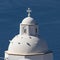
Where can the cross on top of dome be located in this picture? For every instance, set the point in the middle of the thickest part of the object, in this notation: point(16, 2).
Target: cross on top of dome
point(29, 11)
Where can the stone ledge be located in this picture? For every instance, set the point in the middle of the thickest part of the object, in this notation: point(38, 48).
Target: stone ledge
point(30, 54)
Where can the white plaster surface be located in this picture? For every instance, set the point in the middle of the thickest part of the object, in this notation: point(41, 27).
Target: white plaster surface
point(48, 56)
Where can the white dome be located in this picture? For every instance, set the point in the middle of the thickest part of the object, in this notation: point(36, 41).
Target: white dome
point(25, 45)
point(29, 21)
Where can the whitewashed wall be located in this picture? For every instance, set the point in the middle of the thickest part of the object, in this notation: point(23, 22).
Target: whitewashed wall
point(36, 57)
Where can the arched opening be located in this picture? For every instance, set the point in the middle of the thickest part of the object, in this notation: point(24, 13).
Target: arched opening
point(36, 30)
point(25, 31)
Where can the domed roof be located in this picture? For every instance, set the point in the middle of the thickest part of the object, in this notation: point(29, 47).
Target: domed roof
point(29, 21)
point(25, 45)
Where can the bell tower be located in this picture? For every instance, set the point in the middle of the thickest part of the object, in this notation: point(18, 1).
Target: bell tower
point(28, 25)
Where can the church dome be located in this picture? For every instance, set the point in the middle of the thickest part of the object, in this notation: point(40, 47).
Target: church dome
point(29, 21)
point(26, 45)
point(27, 42)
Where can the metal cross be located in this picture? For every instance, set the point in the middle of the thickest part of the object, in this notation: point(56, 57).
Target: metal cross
point(29, 11)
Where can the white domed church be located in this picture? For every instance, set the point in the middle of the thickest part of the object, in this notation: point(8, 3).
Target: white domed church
point(28, 45)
